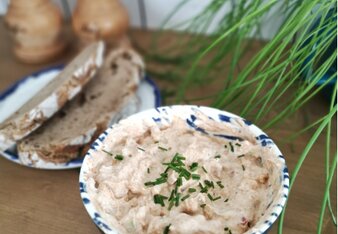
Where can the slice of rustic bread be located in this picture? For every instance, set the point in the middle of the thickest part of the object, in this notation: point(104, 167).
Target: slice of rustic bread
point(110, 96)
point(52, 97)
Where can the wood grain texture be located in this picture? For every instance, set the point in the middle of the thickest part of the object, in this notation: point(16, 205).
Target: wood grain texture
point(40, 201)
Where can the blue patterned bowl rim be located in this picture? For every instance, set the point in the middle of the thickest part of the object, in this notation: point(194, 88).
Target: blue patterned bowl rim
point(223, 116)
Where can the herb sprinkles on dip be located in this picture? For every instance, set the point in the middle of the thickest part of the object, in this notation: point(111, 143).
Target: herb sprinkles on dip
point(151, 177)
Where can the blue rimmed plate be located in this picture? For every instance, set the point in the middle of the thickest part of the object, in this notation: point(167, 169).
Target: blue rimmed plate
point(190, 115)
point(21, 91)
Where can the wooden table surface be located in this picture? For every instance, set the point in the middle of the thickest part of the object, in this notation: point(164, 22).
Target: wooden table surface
point(43, 201)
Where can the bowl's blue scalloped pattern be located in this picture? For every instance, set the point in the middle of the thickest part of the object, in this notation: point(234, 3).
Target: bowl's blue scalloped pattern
point(163, 114)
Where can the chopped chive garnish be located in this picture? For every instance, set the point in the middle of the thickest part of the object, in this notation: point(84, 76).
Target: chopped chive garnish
point(218, 156)
point(186, 174)
point(167, 229)
point(171, 204)
point(243, 167)
point(141, 149)
point(179, 163)
point(109, 153)
point(239, 145)
point(156, 142)
point(219, 183)
point(209, 183)
point(203, 189)
point(240, 156)
point(213, 198)
point(164, 174)
point(195, 176)
point(191, 190)
point(149, 183)
point(119, 157)
point(179, 181)
point(172, 195)
point(175, 189)
point(185, 197)
point(226, 229)
point(230, 232)
point(174, 168)
point(204, 170)
point(158, 199)
point(225, 146)
point(175, 162)
point(210, 197)
point(160, 180)
point(231, 147)
point(193, 166)
point(161, 148)
point(226, 200)
point(183, 171)
point(177, 198)
point(175, 156)
point(203, 205)
point(181, 157)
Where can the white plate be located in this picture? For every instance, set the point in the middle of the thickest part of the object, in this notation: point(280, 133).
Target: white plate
point(20, 92)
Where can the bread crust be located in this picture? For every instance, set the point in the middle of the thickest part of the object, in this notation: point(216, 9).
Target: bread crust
point(20, 125)
point(43, 154)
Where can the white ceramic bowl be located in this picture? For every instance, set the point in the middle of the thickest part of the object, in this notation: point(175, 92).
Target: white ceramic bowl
point(188, 112)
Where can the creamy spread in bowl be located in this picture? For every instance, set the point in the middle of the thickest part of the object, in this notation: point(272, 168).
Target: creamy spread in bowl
point(184, 169)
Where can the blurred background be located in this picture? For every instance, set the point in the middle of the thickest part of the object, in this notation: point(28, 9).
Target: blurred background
point(150, 14)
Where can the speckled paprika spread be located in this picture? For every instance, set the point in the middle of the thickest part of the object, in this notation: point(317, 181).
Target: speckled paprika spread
point(167, 177)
